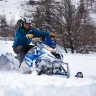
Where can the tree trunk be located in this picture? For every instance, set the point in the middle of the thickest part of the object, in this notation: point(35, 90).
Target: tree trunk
point(64, 44)
point(71, 46)
point(70, 39)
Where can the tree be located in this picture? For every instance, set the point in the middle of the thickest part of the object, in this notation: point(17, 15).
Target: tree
point(64, 12)
point(74, 26)
point(27, 10)
point(6, 29)
point(42, 16)
point(38, 18)
point(3, 21)
point(89, 4)
point(3, 25)
point(56, 17)
point(84, 29)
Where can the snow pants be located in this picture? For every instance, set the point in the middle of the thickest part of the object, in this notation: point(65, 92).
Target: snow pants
point(21, 51)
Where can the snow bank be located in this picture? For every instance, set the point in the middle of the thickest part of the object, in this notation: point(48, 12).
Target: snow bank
point(83, 63)
point(6, 46)
point(16, 84)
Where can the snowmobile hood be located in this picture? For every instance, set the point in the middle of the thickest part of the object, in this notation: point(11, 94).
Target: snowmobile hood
point(51, 42)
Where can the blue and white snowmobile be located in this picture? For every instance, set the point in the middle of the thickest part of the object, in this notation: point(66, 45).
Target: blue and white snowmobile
point(44, 60)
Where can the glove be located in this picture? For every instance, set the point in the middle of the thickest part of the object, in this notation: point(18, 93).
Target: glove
point(29, 36)
point(53, 35)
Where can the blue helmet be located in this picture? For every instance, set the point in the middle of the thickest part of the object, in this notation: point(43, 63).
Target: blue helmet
point(50, 42)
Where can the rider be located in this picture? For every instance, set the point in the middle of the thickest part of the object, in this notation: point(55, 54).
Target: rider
point(23, 36)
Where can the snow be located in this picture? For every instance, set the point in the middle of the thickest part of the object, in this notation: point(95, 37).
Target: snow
point(10, 8)
point(81, 62)
point(93, 16)
point(84, 63)
point(6, 46)
point(16, 84)
point(13, 83)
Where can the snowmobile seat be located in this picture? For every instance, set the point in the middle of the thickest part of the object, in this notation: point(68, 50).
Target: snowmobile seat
point(57, 55)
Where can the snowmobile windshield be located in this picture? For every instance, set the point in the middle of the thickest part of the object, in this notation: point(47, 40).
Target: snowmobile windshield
point(51, 42)
point(49, 48)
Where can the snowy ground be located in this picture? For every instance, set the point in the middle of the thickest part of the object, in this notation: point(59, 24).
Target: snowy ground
point(13, 83)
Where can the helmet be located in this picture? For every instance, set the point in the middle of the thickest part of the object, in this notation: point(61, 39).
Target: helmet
point(26, 20)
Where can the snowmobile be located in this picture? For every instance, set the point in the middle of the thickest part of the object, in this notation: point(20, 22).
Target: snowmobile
point(45, 60)
point(42, 58)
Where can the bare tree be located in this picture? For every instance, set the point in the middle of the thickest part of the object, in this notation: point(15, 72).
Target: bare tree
point(58, 17)
point(64, 12)
point(84, 29)
point(74, 26)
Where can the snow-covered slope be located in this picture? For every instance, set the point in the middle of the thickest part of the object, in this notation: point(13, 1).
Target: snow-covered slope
point(10, 8)
point(13, 83)
point(85, 63)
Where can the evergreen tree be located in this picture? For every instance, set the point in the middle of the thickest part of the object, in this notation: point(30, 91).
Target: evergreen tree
point(3, 21)
point(42, 16)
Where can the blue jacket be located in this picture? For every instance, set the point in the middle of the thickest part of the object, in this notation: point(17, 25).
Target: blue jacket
point(21, 39)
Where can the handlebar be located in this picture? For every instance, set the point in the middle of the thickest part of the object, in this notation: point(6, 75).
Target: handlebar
point(47, 41)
